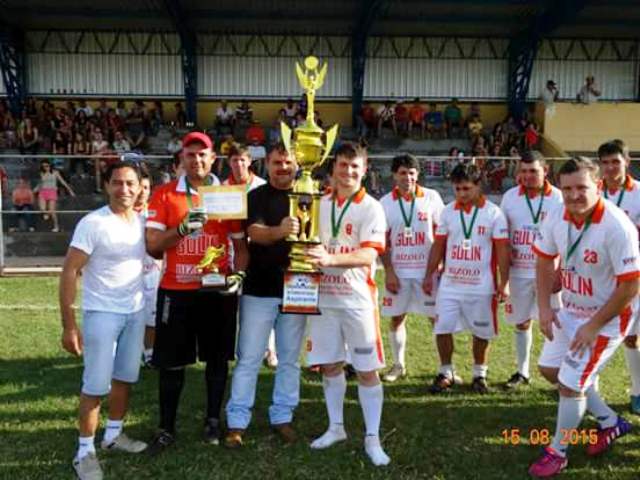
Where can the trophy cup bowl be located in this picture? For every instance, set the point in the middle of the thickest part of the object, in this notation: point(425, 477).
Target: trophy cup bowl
point(310, 149)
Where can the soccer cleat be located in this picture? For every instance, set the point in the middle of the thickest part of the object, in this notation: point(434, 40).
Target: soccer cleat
point(124, 444)
point(212, 431)
point(635, 404)
point(160, 443)
point(516, 380)
point(375, 452)
point(606, 437)
point(286, 432)
point(441, 384)
point(395, 373)
point(335, 434)
point(549, 464)
point(479, 385)
point(88, 467)
point(233, 439)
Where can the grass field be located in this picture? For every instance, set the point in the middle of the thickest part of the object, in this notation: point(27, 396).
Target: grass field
point(457, 436)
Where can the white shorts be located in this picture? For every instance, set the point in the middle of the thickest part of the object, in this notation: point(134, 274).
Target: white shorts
point(409, 299)
point(523, 301)
point(476, 313)
point(339, 329)
point(150, 300)
point(576, 373)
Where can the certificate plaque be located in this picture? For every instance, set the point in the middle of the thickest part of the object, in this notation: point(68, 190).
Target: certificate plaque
point(224, 202)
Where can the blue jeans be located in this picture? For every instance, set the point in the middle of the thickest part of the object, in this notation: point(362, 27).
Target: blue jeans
point(258, 316)
point(112, 349)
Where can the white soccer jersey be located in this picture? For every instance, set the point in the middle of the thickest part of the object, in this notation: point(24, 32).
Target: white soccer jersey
point(254, 183)
point(410, 254)
point(469, 263)
point(521, 218)
point(606, 254)
point(362, 224)
point(628, 198)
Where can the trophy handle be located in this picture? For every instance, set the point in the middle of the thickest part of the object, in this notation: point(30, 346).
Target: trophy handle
point(332, 133)
point(286, 134)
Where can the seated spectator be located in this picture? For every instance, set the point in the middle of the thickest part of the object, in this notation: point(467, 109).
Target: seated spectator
point(48, 192)
point(474, 110)
point(82, 148)
point(136, 125)
point(81, 122)
point(7, 127)
point(224, 119)
point(499, 135)
point(531, 136)
point(70, 109)
point(23, 200)
point(244, 114)
point(435, 122)
point(402, 118)
point(113, 123)
point(453, 118)
point(299, 120)
point(589, 92)
point(181, 116)
point(226, 145)
point(475, 127)
point(258, 153)
point(275, 130)
point(366, 120)
point(120, 143)
point(103, 107)
point(175, 143)
point(387, 117)
point(496, 170)
point(156, 117)
point(290, 111)
point(317, 118)
point(255, 133)
point(83, 107)
point(100, 151)
point(416, 117)
point(302, 105)
point(550, 94)
point(121, 110)
point(28, 137)
point(31, 108)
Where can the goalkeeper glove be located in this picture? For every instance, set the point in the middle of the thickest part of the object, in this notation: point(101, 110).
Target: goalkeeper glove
point(192, 222)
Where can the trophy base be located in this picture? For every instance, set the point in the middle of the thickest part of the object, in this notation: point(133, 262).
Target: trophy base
point(213, 281)
point(301, 292)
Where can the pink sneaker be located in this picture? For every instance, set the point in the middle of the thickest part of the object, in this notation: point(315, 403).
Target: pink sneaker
point(606, 437)
point(548, 465)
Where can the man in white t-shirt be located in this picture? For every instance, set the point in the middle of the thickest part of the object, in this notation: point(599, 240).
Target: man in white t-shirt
point(352, 231)
point(471, 237)
point(108, 249)
point(620, 188)
point(412, 212)
point(225, 118)
point(525, 207)
point(600, 262)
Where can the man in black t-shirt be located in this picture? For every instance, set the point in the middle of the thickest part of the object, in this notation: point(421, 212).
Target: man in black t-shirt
point(268, 224)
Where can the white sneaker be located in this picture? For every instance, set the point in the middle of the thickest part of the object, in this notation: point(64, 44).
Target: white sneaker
point(335, 434)
point(124, 444)
point(88, 467)
point(375, 452)
point(395, 373)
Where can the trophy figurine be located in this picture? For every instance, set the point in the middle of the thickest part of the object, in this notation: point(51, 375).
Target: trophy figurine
point(210, 270)
point(310, 145)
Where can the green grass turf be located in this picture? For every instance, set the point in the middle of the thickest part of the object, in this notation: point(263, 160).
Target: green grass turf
point(457, 436)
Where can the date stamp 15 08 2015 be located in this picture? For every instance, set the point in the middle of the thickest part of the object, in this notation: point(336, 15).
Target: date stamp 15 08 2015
point(542, 436)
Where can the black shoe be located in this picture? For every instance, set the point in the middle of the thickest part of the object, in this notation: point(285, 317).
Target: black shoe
point(441, 384)
point(516, 380)
point(479, 385)
point(349, 371)
point(160, 443)
point(212, 431)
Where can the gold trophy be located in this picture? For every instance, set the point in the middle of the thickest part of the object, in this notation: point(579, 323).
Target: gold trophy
point(306, 144)
point(210, 269)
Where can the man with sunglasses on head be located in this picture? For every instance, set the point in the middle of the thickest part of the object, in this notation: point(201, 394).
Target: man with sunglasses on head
point(472, 232)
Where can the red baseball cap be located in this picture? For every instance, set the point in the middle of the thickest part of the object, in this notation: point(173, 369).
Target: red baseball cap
point(199, 137)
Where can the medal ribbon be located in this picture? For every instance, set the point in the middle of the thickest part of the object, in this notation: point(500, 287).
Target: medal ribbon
point(335, 227)
point(467, 233)
point(207, 181)
point(535, 217)
point(407, 220)
point(620, 197)
point(573, 246)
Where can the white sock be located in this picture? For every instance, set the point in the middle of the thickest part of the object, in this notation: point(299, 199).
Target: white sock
point(148, 353)
point(375, 452)
point(480, 371)
point(272, 341)
point(605, 416)
point(335, 434)
point(446, 370)
point(85, 447)
point(632, 355)
point(335, 389)
point(371, 400)
point(112, 430)
point(524, 340)
point(398, 342)
point(570, 413)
